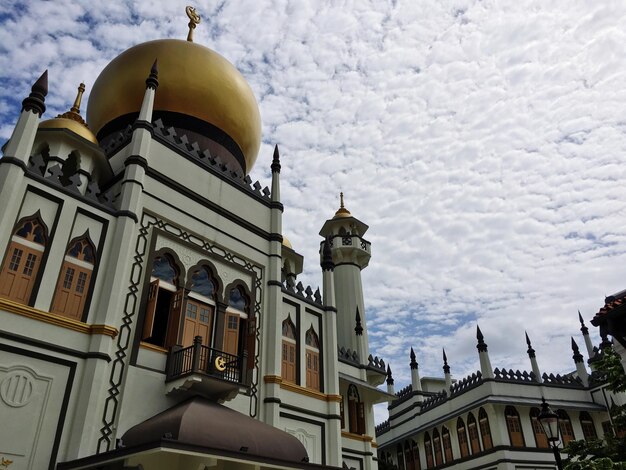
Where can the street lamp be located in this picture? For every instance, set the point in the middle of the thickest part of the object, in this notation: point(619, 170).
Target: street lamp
point(550, 422)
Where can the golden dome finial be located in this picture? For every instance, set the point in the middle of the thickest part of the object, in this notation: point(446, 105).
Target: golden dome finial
point(342, 211)
point(72, 120)
point(194, 20)
point(74, 112)
point(79, 97)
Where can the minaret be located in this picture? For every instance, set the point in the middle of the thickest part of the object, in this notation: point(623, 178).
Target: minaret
point(350, 253)
point(483, 354)
point(131, 204)
point(580, 364)
point(533, 360)
point(59, 147)
point(358, 331)
point(17, 151)
point(416, 383)
point(274, 294)
point(390, 388)
point(585, 331)
point(446, 371)
point(332, 361)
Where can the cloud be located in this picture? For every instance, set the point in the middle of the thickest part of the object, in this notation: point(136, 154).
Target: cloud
point(482, 142)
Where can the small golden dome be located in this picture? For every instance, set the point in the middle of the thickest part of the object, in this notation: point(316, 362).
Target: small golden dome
point(286, 242)
point(342, 211)
point(194, 81)
point(70, 125)
point(72, 120)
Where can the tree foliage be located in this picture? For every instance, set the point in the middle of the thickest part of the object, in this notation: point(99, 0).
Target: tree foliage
point(610, 451)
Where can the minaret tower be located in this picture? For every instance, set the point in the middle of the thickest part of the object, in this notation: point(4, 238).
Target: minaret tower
point(533, 360)
point(351, 253)
point(483, 355)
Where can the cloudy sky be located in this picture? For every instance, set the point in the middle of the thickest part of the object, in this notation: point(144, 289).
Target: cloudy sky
point(482, 141)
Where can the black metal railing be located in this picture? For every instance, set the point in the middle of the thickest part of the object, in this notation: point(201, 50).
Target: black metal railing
point(201, 359)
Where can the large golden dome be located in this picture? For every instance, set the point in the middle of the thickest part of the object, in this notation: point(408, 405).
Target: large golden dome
point(194, 82)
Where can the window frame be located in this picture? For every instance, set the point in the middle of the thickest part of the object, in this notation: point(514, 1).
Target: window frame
point(28, 246)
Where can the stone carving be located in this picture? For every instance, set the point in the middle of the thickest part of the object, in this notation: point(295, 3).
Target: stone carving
point(308, 441)
point(16, 389)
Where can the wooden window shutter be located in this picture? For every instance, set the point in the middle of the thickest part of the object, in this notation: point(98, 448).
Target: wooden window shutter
point(352, 416)
point(343, 423)
point(148, 322)
point(251, 342)
point(361, 418)
point(173, 323)
point(19, 271)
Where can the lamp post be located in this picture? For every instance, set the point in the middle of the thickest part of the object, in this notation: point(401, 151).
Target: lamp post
point(550, 422)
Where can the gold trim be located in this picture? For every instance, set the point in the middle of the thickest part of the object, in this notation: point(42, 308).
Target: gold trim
point(374, 445)
point(275, 379)
point(358, 437)
point(58, 320)
point(153, 347)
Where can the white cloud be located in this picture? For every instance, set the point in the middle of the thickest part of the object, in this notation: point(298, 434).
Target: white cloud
point(483, 142)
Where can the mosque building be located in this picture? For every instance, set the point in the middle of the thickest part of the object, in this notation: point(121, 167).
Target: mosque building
point(490, 419)
point(151, 312)
point(152, 317)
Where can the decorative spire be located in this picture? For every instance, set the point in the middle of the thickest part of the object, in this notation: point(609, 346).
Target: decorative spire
point(446, 367)
point(152, 81)
point(481, 346)
point(342, 211)
point(389, 376)
point(583, 328)
point(36, 100)
point(194, 20)
point(413, 362)
point(276, 161)
point(530, 351)
point(327, 256)
point(577, 356)
point(74, 112)
point(358, 329)
point(79, 96)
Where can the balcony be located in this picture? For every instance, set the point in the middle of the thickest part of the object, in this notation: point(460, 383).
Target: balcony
point(200, 370)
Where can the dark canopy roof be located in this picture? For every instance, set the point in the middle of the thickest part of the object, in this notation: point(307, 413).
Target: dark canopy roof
point(200, 422)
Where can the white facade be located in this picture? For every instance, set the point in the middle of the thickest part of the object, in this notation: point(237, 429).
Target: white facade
point(487, 420)
point(80, 369)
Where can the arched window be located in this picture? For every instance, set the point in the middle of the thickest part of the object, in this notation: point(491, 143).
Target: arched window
point(514, 427)
point(485, 430)
point(199, 307)
point(356, 411)
point(541, 440)
point(428, 448)
point(400, 453)
point(165, 302)
point(437, 448)
point(75, 278)
point(589, 430)
point(416, 455)
point(289, 351)
point(236, 316)
point(565, 426)
point(460, 430)
point(23, 259)
point(447, 444)
point(472, 430)
point(312, 359)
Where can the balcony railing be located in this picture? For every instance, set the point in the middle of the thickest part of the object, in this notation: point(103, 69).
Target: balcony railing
point(200, 359)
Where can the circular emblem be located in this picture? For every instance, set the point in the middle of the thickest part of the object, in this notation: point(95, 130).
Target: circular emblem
point(16, 389)
point(220, 363)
